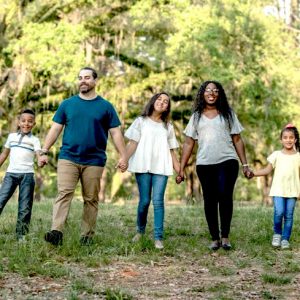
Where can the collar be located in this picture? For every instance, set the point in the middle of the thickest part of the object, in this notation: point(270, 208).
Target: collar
point(29, 134)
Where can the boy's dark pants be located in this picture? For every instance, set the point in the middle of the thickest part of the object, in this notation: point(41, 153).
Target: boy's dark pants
point(26, 183)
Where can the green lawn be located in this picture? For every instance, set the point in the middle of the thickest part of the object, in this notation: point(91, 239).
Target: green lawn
point(114, 268)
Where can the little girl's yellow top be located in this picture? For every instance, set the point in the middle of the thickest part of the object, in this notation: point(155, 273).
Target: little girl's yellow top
point(286, 180)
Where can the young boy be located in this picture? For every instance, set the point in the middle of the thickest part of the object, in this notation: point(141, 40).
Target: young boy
point(21, 146)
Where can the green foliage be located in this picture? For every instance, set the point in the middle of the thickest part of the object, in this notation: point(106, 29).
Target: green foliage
point(143, 47)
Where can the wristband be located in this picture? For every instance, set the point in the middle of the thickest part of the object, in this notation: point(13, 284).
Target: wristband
point(245, 165)
point(44, 152)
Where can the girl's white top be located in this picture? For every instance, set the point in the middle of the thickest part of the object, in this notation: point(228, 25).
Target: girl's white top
point(154, 140)
point(215, 143)
point(286, 180)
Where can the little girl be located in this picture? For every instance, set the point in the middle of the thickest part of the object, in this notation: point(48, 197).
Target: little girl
point(151, 156)
point(285, 188)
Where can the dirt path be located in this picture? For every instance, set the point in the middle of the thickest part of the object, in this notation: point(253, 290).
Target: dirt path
point(170, 279)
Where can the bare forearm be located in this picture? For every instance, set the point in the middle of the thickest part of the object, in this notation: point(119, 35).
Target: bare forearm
point(118, 140)
point(3, 156)
point(130, 148)
point(263, 172)
point(52, 135)
point(187, 150)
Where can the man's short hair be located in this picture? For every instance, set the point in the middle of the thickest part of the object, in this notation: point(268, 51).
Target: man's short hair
point(94, 73)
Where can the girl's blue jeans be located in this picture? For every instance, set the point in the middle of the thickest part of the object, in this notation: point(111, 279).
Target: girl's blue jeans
point(155, 185)
point(26, 184)
point(284, 213)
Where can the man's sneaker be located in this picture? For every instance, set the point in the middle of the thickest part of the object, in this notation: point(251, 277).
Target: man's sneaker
point(86, 240)
point(54, 237)
point(276, 241)
point(158, 244)
point(137, 237)
point(21, 238)
point(285, 244)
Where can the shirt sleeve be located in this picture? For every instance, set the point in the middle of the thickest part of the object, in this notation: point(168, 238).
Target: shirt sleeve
point(7, 143)
point(114, 120)
point(236, 127)
point(36, 144)
point(190, 129)
point(60, 115)
point(272, 159)
point(172, 141)
point(134, 130)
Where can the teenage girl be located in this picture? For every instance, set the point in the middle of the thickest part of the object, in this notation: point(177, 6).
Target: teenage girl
point(151, 156)
point(285, 188)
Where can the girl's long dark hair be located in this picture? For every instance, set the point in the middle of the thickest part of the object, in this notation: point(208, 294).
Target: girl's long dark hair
point(295, 131)
point(222, 104)
point(149, 108)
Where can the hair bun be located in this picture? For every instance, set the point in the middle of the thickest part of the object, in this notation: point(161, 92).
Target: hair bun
point(290, 125)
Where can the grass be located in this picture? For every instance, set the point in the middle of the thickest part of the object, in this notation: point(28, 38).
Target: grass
point(253, 266)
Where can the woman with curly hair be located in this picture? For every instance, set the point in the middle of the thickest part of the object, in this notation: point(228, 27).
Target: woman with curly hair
point(217, 129)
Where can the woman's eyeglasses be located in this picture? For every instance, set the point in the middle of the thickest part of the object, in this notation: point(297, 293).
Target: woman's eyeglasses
point(214, 91)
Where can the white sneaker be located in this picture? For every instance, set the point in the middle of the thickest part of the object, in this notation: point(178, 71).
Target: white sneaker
point(137, 237)
point(276, 241)
point(159, 244)
point(21, 239)
point(285, 244)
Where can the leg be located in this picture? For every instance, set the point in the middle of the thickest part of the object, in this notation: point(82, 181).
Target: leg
point(288, 218)
point(90, 182)
point(144, 181)
point(208, 179)
point(8, 187)
point(67, 178)
point(278, 214)
point(228, 172)
point(26, 190)
point(159, 183)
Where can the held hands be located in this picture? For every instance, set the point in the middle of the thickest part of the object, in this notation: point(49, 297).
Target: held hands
point(248, 172)
point(42, 160)
point(180, 177)
point(122, 164)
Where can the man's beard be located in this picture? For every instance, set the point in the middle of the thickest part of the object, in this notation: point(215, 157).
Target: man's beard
point(86, 89)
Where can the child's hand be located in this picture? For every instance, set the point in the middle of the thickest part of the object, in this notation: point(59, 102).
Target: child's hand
point(179, 179)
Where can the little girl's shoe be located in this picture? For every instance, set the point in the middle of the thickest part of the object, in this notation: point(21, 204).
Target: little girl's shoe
point(158, 244)
point(215, 245)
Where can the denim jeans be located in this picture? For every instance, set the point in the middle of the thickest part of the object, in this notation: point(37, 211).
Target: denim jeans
point(284, 210)
point(148, 184)
point(26, 183)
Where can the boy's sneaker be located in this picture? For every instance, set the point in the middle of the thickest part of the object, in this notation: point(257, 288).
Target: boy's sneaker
point(137, 237)
point(158, 244)
point(54, 237)
point(276, 241)
point(285, 244)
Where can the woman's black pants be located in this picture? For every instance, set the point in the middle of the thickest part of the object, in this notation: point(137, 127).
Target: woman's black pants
point(217, 183)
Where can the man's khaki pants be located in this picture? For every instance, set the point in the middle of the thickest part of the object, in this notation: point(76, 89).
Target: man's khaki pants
point(68, 175)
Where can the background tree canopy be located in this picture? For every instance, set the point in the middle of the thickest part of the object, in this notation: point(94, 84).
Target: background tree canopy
point(143, 47)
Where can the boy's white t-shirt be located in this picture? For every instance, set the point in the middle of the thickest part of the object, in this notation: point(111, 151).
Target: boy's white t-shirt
point(286, 180)
point(22, 152)
point(214, 138)
point(154, 140)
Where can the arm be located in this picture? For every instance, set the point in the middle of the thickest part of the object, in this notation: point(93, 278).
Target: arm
point(176, 164)
point(263, 172)
point(4, 155)
point(240, 150)
point(52, 135)
point(50, 139)
point(130, 148)
point(119, 143)
point(187, 150)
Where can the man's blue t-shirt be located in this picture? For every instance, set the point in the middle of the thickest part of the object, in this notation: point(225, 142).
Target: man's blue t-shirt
point(86, 129)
